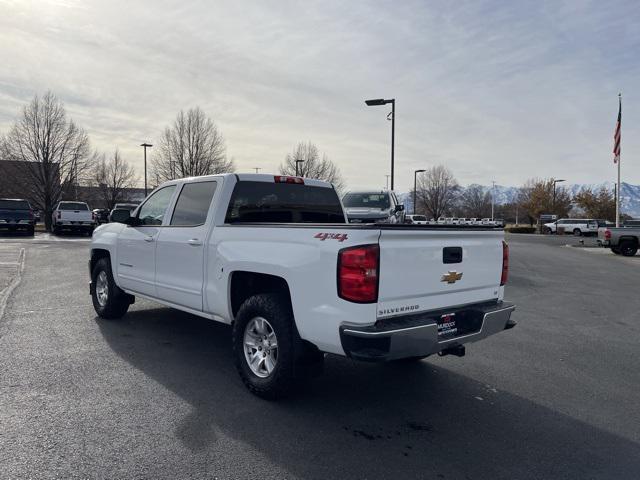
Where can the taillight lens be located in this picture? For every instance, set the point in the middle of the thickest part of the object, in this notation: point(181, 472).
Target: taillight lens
point(358, 273)
point(607, 234)
point(505, 263)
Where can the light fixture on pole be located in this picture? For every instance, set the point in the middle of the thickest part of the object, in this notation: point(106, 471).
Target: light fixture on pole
point(415, 183)
point(145, 145)
point(301, 172)
point(381, 101)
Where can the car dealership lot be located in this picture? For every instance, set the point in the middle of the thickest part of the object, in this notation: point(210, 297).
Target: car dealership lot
point(156, 395)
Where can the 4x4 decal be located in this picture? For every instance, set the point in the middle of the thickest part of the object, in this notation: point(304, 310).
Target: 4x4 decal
point(341, 237)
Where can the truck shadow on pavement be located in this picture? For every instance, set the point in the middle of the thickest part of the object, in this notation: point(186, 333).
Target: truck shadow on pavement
point(362, 420)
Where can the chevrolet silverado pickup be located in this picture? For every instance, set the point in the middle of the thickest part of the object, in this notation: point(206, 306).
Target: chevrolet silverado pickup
point(275, 257)
point(74, 216)
point(622, 241)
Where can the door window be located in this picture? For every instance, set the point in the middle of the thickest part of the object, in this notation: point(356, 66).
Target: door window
point(193, 204)
point(153, 210)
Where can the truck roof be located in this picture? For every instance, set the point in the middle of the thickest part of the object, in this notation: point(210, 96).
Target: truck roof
point(255, 177)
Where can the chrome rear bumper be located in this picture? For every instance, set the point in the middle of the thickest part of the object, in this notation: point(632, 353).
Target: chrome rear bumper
point(417, 335)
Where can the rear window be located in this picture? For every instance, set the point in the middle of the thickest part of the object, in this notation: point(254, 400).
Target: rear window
point(266, 202)
point(366, 200)
point(193, 204)
point(14, 205)
point(73, 206)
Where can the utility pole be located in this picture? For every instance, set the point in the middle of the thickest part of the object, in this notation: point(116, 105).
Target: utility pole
point(493, 194)
point(145, 146)
point(381, 101)
point(617, 147)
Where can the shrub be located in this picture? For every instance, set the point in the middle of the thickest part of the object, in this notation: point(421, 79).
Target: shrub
point(521, 229)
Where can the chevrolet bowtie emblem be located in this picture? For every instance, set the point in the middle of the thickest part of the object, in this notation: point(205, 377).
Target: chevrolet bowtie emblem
point(451, 277)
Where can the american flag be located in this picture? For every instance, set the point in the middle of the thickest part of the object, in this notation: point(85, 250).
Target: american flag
point(616, 136)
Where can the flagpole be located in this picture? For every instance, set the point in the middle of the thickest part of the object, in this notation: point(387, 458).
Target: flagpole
point(618, 162)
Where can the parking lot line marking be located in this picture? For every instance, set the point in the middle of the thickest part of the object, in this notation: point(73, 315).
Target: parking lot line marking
point(4, 295)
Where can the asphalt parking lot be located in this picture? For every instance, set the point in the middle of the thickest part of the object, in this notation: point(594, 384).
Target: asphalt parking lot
point(155, 395)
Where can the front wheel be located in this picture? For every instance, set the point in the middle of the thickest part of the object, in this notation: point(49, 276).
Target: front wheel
point(263, 345)
point(577, 232)
point(109, 301)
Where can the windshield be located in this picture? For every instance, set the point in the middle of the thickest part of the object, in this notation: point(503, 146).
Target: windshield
point(73, 206)
point(366, 200)
point(14, 205)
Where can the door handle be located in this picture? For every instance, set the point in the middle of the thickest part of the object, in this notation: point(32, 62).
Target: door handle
point(148, 238)
point(194, 242)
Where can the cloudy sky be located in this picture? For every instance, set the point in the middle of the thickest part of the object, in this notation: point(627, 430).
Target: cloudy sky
point(494, 90)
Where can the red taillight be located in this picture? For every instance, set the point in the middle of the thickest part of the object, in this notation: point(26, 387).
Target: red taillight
point(286, 179)
point(358, 273)
point(607, 234)
point(505, 263)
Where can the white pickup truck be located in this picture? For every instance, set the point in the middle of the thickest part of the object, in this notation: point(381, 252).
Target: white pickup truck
point(74, 216)
point(275, 257)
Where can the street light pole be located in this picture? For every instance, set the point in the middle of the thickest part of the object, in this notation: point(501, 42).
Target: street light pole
point(298, 161)
point(257, 169)
point(415, 183)
point(392, 101)
point(145, 146)
point(493, 198)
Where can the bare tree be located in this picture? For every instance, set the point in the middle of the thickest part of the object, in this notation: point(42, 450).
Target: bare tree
point(191, 147)
point(537, 197)
point(113, 177)
point(313, 165)
point(475, 201)
point(52, 151)
point(436, 191)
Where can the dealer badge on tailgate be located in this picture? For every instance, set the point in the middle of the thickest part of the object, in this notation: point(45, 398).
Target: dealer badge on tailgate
point(447, 325)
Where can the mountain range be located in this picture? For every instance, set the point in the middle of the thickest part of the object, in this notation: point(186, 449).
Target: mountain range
point(629, 195)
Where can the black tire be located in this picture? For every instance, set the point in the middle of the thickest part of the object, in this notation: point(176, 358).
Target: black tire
point(577, 232)
point(55, 230)
point(628, 248)
point(616, 250)
point(117, 301)
point(276, 310)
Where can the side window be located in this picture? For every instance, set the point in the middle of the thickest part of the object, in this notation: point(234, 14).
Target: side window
point(153, 210)
point(193, 204)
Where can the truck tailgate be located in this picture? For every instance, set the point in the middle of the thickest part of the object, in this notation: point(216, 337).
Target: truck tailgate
point(421, 269)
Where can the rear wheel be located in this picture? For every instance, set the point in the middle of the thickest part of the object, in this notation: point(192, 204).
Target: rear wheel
point(577, 232)
point(109, 301)
point(628, 248)
point(263, 344)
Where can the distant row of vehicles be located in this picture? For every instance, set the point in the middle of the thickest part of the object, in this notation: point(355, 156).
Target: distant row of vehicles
point(423, 220)
point(16, 214)
point(370, 206)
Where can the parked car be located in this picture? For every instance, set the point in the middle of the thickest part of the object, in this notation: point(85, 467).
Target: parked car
point(101, 215)
point(73, 216)
point(275, 257)
point(486, 221)
point(373, 207)
point(576, 226)
point(416, 219)
point(622, 240)
point(16, 214)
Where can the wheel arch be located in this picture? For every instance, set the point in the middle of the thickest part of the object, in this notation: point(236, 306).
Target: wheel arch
point(245, 284)
point(628, 238)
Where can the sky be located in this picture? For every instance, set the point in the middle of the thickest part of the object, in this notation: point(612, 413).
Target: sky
point(494, 90)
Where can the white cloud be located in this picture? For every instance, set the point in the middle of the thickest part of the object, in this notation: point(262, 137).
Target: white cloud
point(493, 90)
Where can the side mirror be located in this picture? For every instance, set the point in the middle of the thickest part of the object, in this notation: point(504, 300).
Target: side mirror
point(399, 208)
point(122, 215)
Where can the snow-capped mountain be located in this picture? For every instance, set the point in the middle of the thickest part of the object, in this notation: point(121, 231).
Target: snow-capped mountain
point(629, 195)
